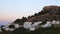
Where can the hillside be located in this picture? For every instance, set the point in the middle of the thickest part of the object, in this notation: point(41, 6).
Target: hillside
point(48, 13)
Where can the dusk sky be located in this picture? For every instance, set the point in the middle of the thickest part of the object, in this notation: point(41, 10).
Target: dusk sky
point(13, 9)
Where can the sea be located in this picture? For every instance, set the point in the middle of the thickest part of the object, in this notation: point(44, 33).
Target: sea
point(3, 22)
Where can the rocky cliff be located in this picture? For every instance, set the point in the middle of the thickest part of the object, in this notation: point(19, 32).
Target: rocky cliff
point(48, 13)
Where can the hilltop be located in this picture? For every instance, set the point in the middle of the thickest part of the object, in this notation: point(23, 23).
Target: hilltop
point(48, 13)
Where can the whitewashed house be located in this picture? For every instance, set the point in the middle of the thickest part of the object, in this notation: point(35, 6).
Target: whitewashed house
point(56, 23)
point(30, 26)
point(36, 24)
point(16, 25)
point(46, 25)
point(27, 25)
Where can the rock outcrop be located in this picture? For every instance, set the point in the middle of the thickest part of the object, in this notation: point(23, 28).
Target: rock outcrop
point(48, 13)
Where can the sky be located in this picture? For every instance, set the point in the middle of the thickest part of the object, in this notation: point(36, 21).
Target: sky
point(13, 9)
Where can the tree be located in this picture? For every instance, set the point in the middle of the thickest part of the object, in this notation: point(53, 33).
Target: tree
point(11, 26)
point(24, 19)
point(35, 14)
point(17, 20)
point(29, 16)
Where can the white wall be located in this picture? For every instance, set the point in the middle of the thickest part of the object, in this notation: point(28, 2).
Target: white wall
point(17, 26)
point(55, 22)
point(46, 25)
point(27, 25)
point(30, 26)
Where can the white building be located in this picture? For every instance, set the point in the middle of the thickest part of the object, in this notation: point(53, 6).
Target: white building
point(46, 25)
point(30, 26)
point(27, 25)
point(55, 22)
point(36, 24)
point(16, 25)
